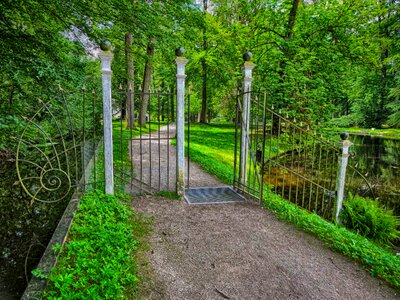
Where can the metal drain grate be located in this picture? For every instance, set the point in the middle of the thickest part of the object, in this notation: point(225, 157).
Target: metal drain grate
point(212, 195)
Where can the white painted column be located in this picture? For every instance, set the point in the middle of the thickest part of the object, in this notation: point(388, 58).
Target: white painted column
point(180, 120)
point(247, 69)
point(106, 57)
point(341, 175)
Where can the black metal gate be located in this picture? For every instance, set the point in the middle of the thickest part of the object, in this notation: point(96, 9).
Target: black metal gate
point(283, 157)
point(250, 146)
point(144, 157)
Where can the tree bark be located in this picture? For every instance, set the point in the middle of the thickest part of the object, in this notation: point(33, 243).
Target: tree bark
point(286, 54)
point(130, 86)
point(12, 90)
point(203, 114)
point(287, 37)
point(148, 71)
point(292, 18)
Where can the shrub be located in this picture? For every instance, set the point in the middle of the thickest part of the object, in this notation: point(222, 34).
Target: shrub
point(368, 218)
point(97, 262)
point(345, 121)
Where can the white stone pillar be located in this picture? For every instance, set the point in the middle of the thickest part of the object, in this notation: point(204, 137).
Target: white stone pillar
point(247, 69)
point(341, 174)
point(106, 58)
point(180, 120)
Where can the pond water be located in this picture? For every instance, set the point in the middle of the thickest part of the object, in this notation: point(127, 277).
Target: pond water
point(378, 159)
point(308, 177)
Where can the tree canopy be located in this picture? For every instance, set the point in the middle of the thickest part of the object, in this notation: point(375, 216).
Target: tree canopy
point(322, 61)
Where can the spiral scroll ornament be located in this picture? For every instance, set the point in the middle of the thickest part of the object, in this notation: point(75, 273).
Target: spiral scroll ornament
point(44, 158)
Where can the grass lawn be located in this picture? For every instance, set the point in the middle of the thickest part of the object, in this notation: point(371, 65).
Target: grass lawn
point(212, 147)
point(389, 133)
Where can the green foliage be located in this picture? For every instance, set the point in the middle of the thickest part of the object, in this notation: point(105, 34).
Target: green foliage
point(10, 127)
point(56, 247)
point(368, 218)
point(337, 57)
point(97, 261)
point(351, 120)
point(39, 274)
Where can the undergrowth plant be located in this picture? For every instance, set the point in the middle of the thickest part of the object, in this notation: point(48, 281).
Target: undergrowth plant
point(368, 218)
point(97, 262)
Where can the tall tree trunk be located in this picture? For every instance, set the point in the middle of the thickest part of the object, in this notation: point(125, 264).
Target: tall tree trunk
point(130, 86)
point(292, 19)
point(382, 113)
point(287, 37)
point(148, 71)
point(286, 54)
point(203, 114)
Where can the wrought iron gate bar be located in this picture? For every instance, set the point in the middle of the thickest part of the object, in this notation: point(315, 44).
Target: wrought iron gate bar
point(94, 137)
point(188, 139)
point(303, 177)
point(83, 89)
point(237, 121)
point(49, 163)
point(149, 159)
point(150, 153)
point(159, 146)
point(149, 139)
point(289, 157)
point(238, 184)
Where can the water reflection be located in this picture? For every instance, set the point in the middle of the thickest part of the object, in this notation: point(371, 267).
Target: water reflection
point(308, 177)
point(378, 159)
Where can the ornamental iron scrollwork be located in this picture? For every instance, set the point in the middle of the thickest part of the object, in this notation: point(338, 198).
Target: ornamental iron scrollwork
point(47, 155)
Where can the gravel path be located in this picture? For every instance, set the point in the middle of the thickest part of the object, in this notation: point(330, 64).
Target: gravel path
point(237, 251)
point(240, 251)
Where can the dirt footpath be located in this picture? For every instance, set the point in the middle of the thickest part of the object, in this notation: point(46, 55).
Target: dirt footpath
point(240, 251)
